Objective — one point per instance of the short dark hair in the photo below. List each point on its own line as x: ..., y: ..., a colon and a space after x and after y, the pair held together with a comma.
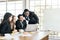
x: 26, y: 10
x: 20, y: 15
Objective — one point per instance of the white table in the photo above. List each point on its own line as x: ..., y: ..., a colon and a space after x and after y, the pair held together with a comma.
x: 34, y: 36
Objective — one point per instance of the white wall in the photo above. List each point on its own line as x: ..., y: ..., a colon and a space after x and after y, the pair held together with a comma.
x: 52, y: 19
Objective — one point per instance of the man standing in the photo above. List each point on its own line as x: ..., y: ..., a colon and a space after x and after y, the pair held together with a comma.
x: 30, y: 16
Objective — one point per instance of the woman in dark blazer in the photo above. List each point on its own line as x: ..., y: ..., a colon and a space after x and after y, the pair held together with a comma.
x: 31, y: 17
x: 21, y: 23
x: 5, y: 25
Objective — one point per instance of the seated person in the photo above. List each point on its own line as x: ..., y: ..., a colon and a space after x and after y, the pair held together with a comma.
x: 30, y: 16
x: 5, y: 26
x: 13, y: 24
x: 21, y: 23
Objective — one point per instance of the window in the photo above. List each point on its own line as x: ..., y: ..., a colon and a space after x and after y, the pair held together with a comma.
x: 38, y: 6
x: 2, y: 9
x: 15, y: 7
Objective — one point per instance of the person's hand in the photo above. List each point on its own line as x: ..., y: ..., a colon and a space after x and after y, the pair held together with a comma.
x: 15, y: 31
x: 24, y: 18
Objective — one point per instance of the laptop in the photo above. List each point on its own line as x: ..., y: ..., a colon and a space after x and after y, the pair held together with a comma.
x: 31, y: 27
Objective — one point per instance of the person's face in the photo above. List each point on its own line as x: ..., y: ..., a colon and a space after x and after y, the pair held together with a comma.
x: 27, y: 13
x: 21, y: 18
x: 10, y: 18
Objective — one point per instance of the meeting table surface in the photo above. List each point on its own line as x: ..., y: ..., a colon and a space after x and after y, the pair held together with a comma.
x: 26, y: 36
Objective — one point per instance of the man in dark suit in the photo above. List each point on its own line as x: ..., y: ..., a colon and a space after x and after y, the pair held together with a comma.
x: 30, y: 16
x: 21, y: 23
